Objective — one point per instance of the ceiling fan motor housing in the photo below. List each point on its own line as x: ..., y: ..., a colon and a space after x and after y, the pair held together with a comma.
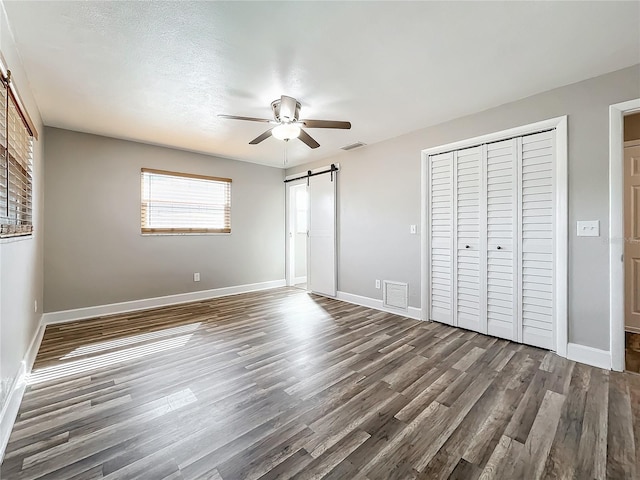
x: 286, y: 109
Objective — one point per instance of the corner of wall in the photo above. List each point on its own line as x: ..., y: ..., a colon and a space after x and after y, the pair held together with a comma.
x: 11, y: 406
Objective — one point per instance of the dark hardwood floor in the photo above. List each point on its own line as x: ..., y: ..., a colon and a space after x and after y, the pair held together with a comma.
x: 282, y: 384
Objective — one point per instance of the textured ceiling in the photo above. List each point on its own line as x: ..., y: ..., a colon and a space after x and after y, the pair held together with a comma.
x: 160, y: 72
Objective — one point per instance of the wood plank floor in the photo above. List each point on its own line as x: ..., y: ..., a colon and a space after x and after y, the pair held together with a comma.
x: 283, y: 384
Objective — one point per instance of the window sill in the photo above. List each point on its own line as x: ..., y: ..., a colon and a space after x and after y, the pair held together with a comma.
x: 16, y: 238
x: 184, y: 234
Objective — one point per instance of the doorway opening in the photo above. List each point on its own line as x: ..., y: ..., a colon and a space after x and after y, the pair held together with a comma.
x: 624, y: 235
x: 298, y: 234
x: 311, y: 230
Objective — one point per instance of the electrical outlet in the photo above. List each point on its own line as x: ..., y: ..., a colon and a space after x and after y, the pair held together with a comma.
x: 196, y: 277
x: 377, y: 283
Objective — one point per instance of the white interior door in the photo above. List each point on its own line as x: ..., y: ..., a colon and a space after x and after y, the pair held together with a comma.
x: 321, y: 267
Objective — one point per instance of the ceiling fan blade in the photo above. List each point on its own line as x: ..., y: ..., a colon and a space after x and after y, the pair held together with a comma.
x: 260, y: 138
x: 287, y: 109
x: 326, y: 124
x: 251, y: 119
x: 308, y: 139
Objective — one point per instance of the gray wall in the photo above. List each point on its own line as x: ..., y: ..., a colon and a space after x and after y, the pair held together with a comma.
x: 20, y: 258
x: 94, y: 253
x: 379, y: 196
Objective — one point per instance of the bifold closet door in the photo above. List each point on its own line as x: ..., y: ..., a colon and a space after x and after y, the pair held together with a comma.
x: 492, y: 238
x: 502, y: 245
x: 441, y: 237
x: 469, y: 230
x: 322, y: 270
x: 538, y: 239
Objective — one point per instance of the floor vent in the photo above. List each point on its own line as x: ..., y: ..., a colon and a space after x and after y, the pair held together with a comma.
x: 353, y: 145
x: 395, y: 295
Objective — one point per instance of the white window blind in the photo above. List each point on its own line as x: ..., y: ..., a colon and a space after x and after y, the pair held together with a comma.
x: 184, y: 203
x: 16, y: 165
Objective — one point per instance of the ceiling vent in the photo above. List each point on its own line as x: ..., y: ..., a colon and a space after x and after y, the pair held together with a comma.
x: 353, y: 146
x: 395, y: 295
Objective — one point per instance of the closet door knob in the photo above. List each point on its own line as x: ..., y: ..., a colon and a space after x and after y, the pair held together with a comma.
x: 467, y: 246
x: 499, y: 247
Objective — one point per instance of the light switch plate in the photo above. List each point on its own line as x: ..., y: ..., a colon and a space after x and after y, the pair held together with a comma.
x: 413, y: 229
x: 589, y: 228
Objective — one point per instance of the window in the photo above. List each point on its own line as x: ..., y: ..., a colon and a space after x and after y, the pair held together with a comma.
x: 16, y: 162
x: 184, y: 203
x: 301, y: 210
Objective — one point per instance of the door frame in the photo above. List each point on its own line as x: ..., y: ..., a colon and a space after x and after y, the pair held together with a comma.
x: 561, y: 220
x: 301, y: 178
x: 290, y: 277
x: 616, y: 229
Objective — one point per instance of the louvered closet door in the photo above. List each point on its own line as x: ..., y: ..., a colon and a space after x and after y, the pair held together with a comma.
x: 538, y: 187
x: 502, y: 218
x: 468, y: 291
x: 492, y: 221
x: 441, y: 237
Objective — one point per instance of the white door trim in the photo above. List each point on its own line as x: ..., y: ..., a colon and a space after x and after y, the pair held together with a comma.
x: 616, y: 229
x: 562, y: 217
x: 288, y: 265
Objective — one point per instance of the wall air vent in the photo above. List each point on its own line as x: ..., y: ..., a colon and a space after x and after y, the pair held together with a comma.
x: 395, y: 295
x: 353, y: 146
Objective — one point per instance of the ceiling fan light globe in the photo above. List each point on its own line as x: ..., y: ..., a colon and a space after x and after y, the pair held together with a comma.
x: 286, y: 131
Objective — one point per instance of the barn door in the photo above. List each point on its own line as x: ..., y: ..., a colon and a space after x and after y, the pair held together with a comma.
x: 321, y: 271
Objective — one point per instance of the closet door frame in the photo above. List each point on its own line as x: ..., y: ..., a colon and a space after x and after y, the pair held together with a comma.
x: 561, y: 217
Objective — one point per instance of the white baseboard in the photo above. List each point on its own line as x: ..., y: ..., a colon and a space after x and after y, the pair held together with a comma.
x: 143, y: 304
x: 411, y: 312
x: 589, y: 355
x: 298, y: 280
x: 12, y: 404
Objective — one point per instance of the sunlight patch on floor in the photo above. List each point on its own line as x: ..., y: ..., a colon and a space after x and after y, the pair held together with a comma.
x: 56, y: 372
x: 130, y: 340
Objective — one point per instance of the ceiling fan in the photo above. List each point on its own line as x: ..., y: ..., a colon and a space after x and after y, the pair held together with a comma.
x: 286, y: 114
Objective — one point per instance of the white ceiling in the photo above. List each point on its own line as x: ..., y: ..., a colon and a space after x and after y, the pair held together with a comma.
x: 160, y: 72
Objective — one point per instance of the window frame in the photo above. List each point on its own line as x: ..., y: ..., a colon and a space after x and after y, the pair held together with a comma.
x: 180, y: 230
x: 11, y: 227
